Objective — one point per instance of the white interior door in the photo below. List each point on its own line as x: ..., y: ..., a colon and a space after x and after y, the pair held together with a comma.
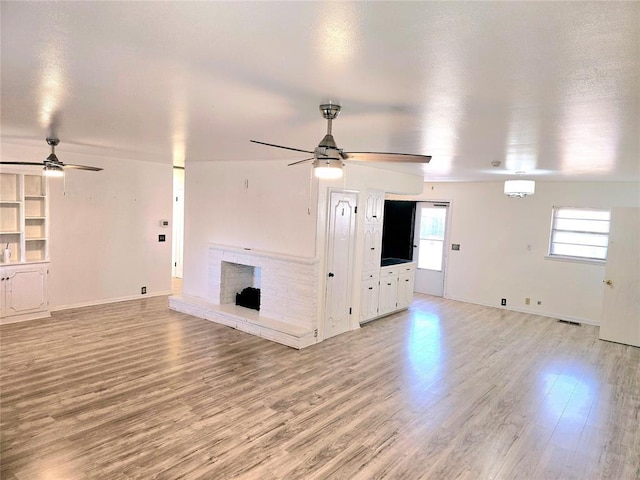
x: 430, y: 251
x: 620, y: 321
x: 340, y: 252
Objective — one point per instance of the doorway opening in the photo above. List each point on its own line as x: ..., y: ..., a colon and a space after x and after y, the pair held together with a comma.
x: 178, y: 230
x: 430, y: 252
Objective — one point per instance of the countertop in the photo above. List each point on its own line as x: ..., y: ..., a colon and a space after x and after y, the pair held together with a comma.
x: 385, y: 262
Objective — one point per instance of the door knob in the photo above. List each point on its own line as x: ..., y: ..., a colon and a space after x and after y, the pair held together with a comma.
x: 608, y: 282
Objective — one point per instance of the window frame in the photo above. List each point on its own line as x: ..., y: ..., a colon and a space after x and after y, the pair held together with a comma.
x: 576, y: 258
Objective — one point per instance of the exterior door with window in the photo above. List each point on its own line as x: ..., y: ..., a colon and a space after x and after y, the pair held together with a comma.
x: 429, y: 249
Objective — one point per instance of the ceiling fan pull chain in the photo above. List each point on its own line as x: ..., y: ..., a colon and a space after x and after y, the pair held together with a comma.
x: 310, y: 192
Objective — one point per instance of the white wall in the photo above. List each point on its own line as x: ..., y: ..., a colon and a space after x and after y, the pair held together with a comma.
x: 276, y: 213
x: 503, y: 243
x: 270, y: 215
x: 104, y: 232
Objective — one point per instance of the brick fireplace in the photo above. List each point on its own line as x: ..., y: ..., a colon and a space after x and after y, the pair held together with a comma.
x: 288, y: 294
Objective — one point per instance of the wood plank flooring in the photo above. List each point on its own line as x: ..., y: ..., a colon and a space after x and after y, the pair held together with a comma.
x: 445, y: 390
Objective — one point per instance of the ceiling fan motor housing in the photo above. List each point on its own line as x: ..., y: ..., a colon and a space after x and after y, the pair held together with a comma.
x: 330, y: 110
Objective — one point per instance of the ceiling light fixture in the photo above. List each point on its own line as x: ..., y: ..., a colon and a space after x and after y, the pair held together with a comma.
x: 53, y: 170
x: 519, y: 188
x: 327, y: 168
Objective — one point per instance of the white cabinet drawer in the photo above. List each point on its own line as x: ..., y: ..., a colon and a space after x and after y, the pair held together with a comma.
x: 370, y: 275
x: 388, y: 271
x: 407, y: 267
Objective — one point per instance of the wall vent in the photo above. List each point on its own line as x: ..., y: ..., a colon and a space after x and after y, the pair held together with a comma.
x: 569, y: 322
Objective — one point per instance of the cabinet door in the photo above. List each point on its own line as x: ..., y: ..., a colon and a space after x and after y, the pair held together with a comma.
x: 369, y: 299
x: 25, y: 290
x: 372, y: 247
x: 388, y: 295
x: 2, y: 293
x: 405, y: 289
x: 374, y: 207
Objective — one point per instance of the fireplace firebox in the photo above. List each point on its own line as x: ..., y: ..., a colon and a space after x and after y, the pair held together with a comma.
x: 240, y: 284
x: 249, y: 298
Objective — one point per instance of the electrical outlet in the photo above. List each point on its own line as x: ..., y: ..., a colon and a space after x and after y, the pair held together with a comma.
x: 527, y: 301
x: 503, y: 302
x: 143, y: 290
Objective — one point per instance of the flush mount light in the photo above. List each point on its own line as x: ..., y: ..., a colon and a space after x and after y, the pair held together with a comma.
x: 327, y: 168
x: 519, y: 188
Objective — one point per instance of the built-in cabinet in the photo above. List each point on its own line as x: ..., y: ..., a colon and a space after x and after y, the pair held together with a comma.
x: 23, y: 291
x: 24, y: 247
x: 406, y: 281
x: 384, y: 290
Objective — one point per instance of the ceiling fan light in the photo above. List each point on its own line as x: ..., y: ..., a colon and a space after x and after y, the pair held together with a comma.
x: 51, y: 170
x: 519, y: 188
x: 329, y: 168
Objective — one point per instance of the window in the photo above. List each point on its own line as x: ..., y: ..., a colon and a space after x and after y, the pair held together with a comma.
x: 581, y: 233
x: 432, y: 226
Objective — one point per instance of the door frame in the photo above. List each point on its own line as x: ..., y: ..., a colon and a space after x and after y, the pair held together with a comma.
x: 177, y: 223
x: 446, y: 240
x: 351, y: 263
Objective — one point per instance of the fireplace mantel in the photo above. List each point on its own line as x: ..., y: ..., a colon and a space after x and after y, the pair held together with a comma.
x: 230, y: 251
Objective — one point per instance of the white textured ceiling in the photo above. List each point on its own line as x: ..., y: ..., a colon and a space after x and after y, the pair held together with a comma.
x: 550, y: 88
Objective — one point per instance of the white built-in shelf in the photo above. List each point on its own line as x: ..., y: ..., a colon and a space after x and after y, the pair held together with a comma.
x: 24, y: 210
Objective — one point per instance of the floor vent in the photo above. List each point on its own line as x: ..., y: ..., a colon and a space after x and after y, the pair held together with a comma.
x: 569, y: 322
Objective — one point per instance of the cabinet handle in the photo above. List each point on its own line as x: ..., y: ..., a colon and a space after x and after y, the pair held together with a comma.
x: 373, y: 248
x: 388, y: 284
x: 331, y: 274
x: 374, y: 216
x: 370, y: 288
x: 406, y: 279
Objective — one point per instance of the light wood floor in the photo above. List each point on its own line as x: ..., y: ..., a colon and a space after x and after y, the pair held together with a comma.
x: 446, y: 390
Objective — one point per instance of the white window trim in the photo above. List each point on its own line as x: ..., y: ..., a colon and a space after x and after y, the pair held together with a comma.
x: 567, y: 258
x: 564, y: 258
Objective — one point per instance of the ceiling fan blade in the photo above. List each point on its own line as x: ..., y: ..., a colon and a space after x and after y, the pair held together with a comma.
x: 280, y: 146
x: 386, y: 157
x: 22, y: 163
x: 300, y: 161
x: 81, y: 167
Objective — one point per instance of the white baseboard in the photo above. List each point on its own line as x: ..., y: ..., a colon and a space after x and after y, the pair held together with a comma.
x: 24, y: 317
x: 558, y: 316
x: 105, y: 301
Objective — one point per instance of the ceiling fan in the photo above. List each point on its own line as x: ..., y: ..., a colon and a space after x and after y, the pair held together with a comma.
x: 328, y: 158
x: 52, y: 166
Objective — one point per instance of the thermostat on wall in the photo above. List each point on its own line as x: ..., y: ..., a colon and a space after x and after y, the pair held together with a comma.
x: 164, y: 223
